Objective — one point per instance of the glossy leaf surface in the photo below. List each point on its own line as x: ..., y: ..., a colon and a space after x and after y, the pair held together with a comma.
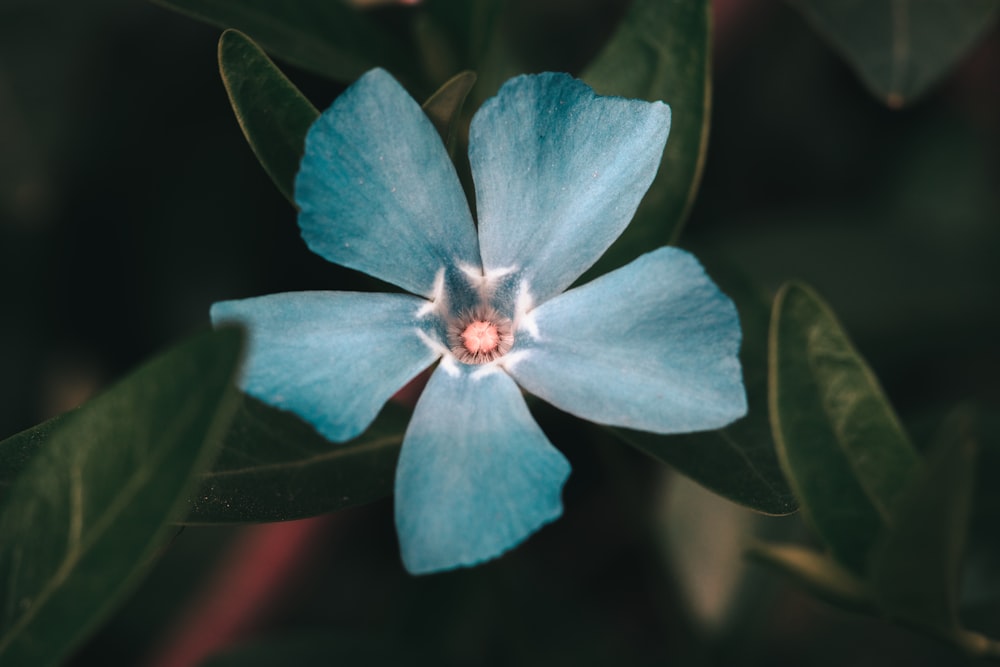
x: 272, y: 113
x: 900, y: 48
x: 83, y: 519
x: 275, y: 467
x: 839, y: 441
x: 661, y: 51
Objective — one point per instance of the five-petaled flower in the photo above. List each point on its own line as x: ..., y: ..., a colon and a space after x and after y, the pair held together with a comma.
x: 558, y: 173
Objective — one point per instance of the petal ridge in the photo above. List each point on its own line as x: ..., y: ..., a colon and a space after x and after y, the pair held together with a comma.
x: 659, y: 354
x: 559, y: 172
x: 377, y: 191
x: 476, y: 475
x: 312, y: 353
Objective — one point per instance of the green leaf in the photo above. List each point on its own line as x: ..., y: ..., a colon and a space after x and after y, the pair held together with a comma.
x: 275, y: 467
x: 817, y: 573
x: 328, y: 38
x: 840, y: 444
x: 272, y: 113
x: 738, y: 462
x: 444, y: 107
x: 915, y: 570
x: 661, y: 51
x: 19, y: 449
x: 900, y: 48
x: 84, y: 518
x: 272, y: 466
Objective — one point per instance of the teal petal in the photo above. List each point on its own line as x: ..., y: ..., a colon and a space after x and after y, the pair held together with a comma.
x: 332, y: 358
x: 377, y: 191
x: 476, y: 475
x: 559, y: 172
x: 652, y: 346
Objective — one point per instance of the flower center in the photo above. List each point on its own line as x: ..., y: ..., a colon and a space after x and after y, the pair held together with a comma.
x: 480, y: 336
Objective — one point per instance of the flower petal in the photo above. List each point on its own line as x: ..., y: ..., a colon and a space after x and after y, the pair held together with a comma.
x: 559, y: 172
x: 332, y: 358
x: 377, y: 191
x: 476, y: 475
x: 652, y: 346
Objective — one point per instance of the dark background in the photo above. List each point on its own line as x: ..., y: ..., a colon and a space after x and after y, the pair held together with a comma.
x: 129, y: 202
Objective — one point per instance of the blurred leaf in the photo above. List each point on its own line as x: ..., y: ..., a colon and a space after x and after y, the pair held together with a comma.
x: 900, y: 48
x: 275, y: 467
x: 704, y: 537
x: 738, y: 462
x: 915, y: 570
x: 444, y: 107
x: 470, y: 26
x: 458, y: 34
x: 328, y: 38
x: 19, y: 449
x: 86, y: 515
x: 839, y: 441
x: 661, y: 51
x: 816, y: 572
x: 272, y: 113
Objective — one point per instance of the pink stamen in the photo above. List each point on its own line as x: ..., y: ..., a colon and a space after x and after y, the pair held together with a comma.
x: 480, y: 337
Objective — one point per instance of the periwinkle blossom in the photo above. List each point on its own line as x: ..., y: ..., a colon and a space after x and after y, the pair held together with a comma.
x: 558, y: 173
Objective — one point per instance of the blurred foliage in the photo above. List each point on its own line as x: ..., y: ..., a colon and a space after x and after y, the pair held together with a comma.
x: 83, y: 519
x: 894, y: 526
x: 901, y: 47
x: 129, y: 202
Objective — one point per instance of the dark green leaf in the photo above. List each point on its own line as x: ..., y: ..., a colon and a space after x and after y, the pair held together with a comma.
x: 915, y: 570
x: 840, y: 443
x: 444, y: 107
x: 272, y: 113
x: 900, y: 48
x: 468, y: 29
x: 739, y: 461
x: 275, y: 467
x: 816, y: 572
x: 18, y: 450
x: 272, y: 467
x: 84, y: 518
x: 661, y: 51
x: 329, y: 38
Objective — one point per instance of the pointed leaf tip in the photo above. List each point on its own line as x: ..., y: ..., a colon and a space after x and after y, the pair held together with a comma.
x: 272, y: 113
x: 444, y: 107
x: 839, y: 441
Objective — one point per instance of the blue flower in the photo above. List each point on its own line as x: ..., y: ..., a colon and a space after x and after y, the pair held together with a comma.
x: 559, y: 172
